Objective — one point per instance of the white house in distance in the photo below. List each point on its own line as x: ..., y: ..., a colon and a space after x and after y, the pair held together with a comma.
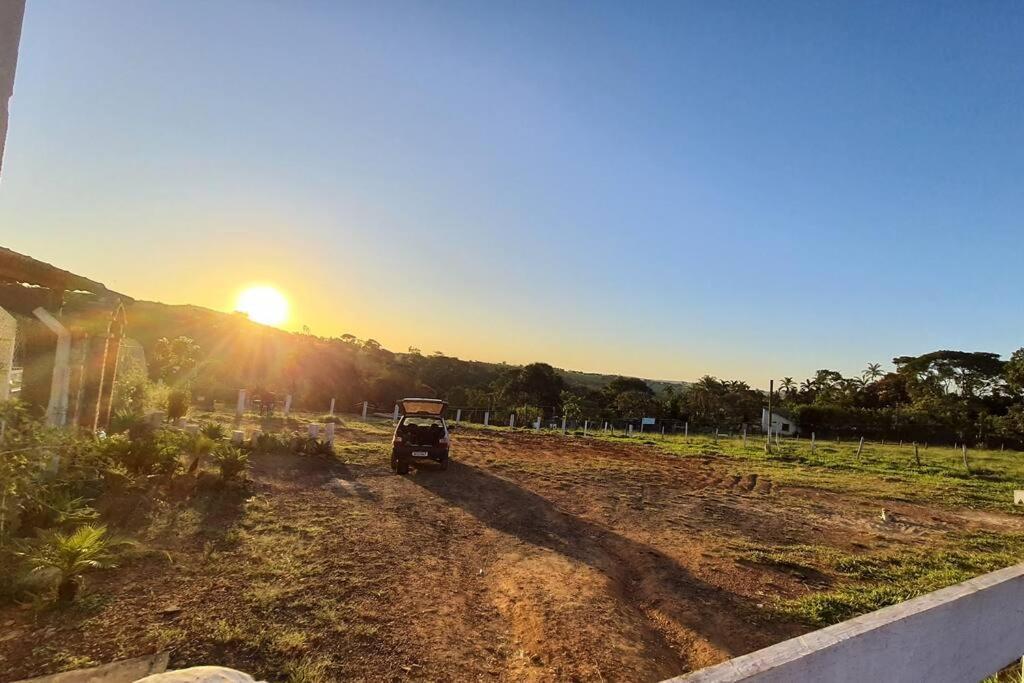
x: 781, y: 424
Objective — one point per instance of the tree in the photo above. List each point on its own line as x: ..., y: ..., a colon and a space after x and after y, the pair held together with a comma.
x: 175, y: 360
x: 787, y: 386
x: 633, y: 404
x: 1013, y: 371
x: 872, y: 372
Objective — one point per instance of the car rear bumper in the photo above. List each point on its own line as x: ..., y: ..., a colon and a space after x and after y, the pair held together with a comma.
x: 418, y: 453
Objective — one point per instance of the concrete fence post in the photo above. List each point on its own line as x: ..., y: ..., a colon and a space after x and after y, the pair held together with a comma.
x: 458, y: 415
x: 394, y: 416
x: 365, y: 405
x: 630, y: 429
x: 812, y: 443
x: 686, y: 430
x: 60, y: 385
x: 287, y: 405
x: 586, y: 423
x: 744, y: 434
x: 487, y: 418
x: 314, y: 430
x: 237, y: 436
x: 536, y: 424
x: 512, y: 421
x: 563, y: 424
x: 331, y: 411
x: 240, y: 405
x: 329, y: 433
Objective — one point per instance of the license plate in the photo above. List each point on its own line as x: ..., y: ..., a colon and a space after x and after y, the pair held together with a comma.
x: 420, y: 454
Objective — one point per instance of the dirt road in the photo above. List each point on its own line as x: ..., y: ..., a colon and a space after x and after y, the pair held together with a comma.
x: 531, y: 558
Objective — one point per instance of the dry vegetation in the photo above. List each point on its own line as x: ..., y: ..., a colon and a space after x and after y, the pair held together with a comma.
x: 535, y: 557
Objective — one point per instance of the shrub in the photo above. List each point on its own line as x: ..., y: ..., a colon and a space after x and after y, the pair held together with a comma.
x: 232, y: 461
x: 73, y: 554
x: 178, y: 401
x: 213, y: 430
x: 269, y: 443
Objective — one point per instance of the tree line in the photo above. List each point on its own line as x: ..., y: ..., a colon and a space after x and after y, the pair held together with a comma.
x: 973, y: 397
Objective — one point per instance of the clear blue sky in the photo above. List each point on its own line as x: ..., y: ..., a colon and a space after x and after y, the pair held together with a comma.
x: 745, y: 189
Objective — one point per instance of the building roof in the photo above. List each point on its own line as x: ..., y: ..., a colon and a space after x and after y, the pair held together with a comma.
x: 19, y: 268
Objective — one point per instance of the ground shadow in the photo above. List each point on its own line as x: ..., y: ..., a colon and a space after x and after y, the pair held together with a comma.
x: 721, y: 617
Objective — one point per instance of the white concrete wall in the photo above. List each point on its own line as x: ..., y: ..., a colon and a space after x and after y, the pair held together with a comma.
x: 961, y: 633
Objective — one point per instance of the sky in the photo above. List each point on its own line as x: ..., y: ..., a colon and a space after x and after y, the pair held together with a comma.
x: 749, y: 190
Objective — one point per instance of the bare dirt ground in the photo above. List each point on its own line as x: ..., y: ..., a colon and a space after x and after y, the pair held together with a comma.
x: 531, y: 558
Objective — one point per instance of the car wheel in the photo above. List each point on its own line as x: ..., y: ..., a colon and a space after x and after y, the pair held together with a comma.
x: 444, y: 462
x: 402, y: 467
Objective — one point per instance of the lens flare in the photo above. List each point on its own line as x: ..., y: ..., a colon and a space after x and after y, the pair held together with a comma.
x: 263, y: 304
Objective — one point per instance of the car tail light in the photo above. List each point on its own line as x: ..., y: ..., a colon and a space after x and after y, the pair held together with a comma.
x: 443, y: 441
x: 397, y: 439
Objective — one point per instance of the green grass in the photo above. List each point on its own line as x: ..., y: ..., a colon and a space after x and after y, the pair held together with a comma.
x: 882, y: 472
x: 864, y: 583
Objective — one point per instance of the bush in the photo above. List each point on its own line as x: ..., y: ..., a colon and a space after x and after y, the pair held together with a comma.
x: 232, y: 461
x: 178, y: 401
x: 154, y: 453
x: 269, y: 443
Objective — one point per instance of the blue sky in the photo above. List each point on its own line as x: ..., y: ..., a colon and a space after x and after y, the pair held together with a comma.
x: 750, y: 190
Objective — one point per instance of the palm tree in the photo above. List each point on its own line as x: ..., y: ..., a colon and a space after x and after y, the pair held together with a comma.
x: 71, y: 555
x: 873, y: 371
x: 787, y: 385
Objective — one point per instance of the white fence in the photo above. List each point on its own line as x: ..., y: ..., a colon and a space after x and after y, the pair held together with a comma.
x: 958, y: 634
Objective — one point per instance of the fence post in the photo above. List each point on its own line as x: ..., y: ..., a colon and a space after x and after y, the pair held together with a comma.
x: 630, y: 429
x: 394, y: 417
x: 314, y: 430
x: 686, y: 430
x: 716, y: 434
x: 563, y: 424
x: 586, y: 423
x: 536, y: 424
x: 287, y: 405
x: 860, y: 447
x: 240, y: 406
x: 917, y: 455
x: 966, y: 466
x: 487, y: 418
x: 744, y: 434
x: 329, y: 433
x: 331, y: 412
x: 365, y: 403
x: 512, y: 420
x: 458, y: 415
x: 812, y: 443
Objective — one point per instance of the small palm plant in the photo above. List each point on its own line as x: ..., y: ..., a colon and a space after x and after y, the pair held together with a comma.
x: 213, y: 430
x: 70, y: 555
x: 232, y: 461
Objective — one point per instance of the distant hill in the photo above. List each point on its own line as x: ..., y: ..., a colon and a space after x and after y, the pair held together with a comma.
x: 237, y: 352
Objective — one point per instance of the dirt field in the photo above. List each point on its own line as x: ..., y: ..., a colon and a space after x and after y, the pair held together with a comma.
x: 532, y: 558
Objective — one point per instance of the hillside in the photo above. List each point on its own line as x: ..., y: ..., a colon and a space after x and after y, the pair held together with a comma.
x: 236, y: 352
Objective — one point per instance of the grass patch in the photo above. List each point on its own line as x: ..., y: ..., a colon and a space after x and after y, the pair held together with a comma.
x: 865, y: 583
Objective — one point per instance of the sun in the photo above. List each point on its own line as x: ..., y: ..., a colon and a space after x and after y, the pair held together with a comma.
x: 263, y: 304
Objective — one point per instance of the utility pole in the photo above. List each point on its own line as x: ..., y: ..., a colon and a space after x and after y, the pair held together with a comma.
x: 768, y: 434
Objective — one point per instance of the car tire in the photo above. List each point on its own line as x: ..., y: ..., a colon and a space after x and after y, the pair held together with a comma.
x: 402, y: 467
x: 443, y: 462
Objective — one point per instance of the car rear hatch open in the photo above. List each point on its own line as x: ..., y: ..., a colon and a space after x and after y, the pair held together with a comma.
x: 427, y: 407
